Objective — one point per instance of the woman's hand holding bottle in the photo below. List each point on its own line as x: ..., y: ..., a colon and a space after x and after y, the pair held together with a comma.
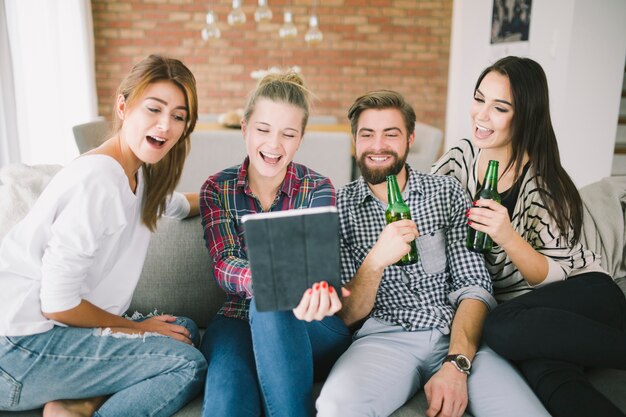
x: 492, y: 218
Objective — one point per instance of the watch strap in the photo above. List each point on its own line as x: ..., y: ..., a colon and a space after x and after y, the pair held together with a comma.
x: 455, y: 361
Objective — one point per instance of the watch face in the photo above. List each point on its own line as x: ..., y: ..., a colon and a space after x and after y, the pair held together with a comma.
x: 463, y: 363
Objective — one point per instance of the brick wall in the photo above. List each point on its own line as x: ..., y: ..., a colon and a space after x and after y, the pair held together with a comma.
x: 368, y: 44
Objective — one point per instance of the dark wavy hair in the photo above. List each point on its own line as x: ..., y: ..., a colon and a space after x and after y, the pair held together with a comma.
x: 161, y: 178
x: 532, y: 133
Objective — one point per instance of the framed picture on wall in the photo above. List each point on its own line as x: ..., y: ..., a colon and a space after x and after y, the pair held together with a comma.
x: 510, y: 21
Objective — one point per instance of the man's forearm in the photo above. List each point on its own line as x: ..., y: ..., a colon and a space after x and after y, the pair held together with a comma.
x: 467, y: 327
x: 363, y: 288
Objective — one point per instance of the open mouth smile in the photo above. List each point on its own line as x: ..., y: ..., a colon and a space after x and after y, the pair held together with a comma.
x: 156, y: 141
x: 379, y: 159
x: 270, y: 158
x: 482, y: 132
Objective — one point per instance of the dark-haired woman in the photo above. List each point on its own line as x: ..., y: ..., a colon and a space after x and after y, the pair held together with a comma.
x: 578, y: 321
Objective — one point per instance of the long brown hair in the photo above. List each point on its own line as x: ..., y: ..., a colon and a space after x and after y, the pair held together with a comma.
x: 532, y: 133
x: 161, y: 178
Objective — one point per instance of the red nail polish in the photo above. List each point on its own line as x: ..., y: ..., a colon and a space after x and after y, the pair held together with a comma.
x: 324, y: 284
x: 469, y: 222
x: 317, y: 287
x: 331, y: 290
x: 475, y: 203
x: 309, y: 291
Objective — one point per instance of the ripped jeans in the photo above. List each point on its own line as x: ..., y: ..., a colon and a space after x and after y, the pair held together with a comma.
x: 144, y: 376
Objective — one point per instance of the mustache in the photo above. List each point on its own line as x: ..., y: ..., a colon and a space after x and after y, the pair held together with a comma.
x: 386, y: 153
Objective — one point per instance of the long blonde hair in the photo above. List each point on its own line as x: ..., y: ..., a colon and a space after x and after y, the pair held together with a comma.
x: 161, y: 178
x: 286, y: 88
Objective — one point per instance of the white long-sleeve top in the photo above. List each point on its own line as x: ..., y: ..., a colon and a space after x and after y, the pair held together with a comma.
x: 82, y: 240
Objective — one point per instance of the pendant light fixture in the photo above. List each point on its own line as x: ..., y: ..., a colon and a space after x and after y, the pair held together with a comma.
x: 263, y: 12
x: 314, y: 34
x: 210, y: 30
x: 288, y: 30
x: 236, y: 15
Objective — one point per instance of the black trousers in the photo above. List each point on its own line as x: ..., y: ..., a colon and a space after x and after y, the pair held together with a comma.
x: 555, y: 332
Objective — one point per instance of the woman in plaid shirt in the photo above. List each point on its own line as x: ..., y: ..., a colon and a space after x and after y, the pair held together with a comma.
x: 265, y: 362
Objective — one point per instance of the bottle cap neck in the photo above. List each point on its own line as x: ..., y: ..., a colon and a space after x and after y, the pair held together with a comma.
x: 393, y: 190
x: 491, y: 176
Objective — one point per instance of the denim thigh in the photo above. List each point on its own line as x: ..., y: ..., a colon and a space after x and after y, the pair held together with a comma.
x: 232, y: 388
x: 71, y: 363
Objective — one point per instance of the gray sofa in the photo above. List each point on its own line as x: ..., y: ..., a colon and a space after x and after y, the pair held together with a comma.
x: 177, y: 279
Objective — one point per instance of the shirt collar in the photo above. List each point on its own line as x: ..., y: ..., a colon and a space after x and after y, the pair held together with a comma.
x: 290, y: 185
x: 414, y: 185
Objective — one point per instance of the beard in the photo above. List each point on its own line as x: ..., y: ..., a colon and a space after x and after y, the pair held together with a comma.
x: 379, y: 175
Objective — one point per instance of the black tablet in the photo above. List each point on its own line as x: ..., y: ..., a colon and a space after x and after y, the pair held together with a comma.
x: 289, y: 251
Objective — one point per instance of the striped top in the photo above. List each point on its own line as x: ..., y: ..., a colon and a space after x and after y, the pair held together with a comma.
x: 530, y: 219
x: 224, y: 199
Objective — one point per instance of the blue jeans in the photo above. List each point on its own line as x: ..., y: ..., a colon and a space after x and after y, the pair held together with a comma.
x: 269, y: 364
x: 144, y: 376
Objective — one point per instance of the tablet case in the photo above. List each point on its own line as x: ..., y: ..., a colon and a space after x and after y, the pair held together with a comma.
x: 289, y: 251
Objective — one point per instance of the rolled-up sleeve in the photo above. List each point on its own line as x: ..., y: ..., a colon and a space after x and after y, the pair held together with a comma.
x: 177, y: 206
x: 470, y: 277
x: 475, y: 293
x: 231, y: 267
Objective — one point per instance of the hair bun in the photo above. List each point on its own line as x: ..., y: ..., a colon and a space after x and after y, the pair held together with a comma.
x: 289, y: 76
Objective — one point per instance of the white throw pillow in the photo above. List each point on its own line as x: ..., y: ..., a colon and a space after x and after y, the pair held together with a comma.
x: 20, y: 186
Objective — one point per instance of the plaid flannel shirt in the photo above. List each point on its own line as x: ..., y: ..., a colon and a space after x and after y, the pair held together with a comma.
x: 224, y: 199
x: 423, y: 295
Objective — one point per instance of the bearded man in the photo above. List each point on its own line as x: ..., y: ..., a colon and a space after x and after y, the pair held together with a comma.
x: 417, y: 326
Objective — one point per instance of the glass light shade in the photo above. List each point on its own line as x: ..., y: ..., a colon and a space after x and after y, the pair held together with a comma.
x: 263, y: 13
x: 314, y: 34
x: 236, y: 15
x: 211, y: 31
x: 288, y: 29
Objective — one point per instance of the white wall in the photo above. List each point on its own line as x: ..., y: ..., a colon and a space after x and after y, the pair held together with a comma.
x: 581, y: 45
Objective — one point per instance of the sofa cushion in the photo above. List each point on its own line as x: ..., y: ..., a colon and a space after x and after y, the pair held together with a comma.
x: 20, y: 186
x: 177, y: 276
x: 604, y: 222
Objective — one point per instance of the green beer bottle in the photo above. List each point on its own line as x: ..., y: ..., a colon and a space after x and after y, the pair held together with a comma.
x: 480, y: 241
x: 398, y: 210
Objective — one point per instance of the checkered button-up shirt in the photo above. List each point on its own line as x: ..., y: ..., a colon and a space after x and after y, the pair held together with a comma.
x: 423, y: 295
x: 224, y: 199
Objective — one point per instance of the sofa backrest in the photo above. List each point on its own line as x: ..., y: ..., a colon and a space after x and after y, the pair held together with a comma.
x: 211, y: 152
x: 91, y: 134
x: 604, y: 222
x: 177, y: 276
x: 425, y: 149
x: 328, y: 153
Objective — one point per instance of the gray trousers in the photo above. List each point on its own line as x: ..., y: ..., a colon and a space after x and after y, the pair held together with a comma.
x: 386, y: 365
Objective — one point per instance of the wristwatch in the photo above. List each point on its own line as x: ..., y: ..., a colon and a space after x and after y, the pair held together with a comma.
x: 462, y: 362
